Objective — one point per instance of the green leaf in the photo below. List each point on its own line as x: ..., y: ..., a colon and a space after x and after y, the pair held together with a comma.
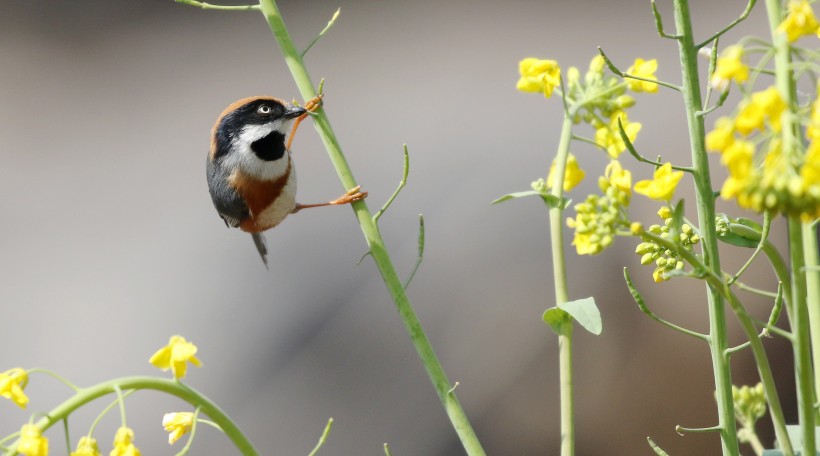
x: 738, y: 240
x: 550, y: 200
x: 658, y: 450
x: 586, y: 313
x: 557, y: 319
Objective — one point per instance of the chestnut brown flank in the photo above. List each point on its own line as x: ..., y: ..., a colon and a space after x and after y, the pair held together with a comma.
x: 257, y: 194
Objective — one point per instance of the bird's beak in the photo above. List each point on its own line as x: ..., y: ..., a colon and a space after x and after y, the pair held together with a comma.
x: 294, y: 112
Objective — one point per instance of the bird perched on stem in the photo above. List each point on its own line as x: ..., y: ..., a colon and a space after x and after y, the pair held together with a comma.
x: 251, y: 176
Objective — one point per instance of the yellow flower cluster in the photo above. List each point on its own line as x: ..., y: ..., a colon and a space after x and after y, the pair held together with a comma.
x: 730, y: 67
x: 762, y: 176
x: 599, y: 217
x: 799, y: 21
x: 573, y: 174
x: 539, y: 76
x: 12, y: 383
x: 175, y: 356
x: 124, y: 443
x: 666, y: 260
x: 32, y: 442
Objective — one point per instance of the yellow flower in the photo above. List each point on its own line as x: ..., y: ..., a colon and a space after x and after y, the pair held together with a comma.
x: 662, y: 186
x: 539, y: 76
x: 730, y: 67
x: 799, y: 21
x: 664, y: 212
x: 620, y: 178
x: 738, y: 159
x: 813, y: 128
x: 644, y: 69
x: 175, y: 356
x: 32, y: 442
x: 178, y: 424
x: 124, y: 443
x: 573, y: 174
x: 12, y: 383
x: 763, y: 105
x: 87, y: 446
x: 722, y: 136
x: 609, y: 137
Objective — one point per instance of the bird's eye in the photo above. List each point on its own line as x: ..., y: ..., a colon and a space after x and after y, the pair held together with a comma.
x: 264, y: 110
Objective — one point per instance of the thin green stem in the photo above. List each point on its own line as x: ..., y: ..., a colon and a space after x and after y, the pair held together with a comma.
x: 323, y: 437
x: 706, y: 221
x: 811, y: 258
x: 792, y: 146
x: 210, y: 6
x: 172, y: 387
x: 53, y: 375
x: 559, y: 271
x: 370, y: 229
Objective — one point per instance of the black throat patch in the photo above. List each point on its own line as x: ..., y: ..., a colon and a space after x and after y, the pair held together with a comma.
x: 271, y: 147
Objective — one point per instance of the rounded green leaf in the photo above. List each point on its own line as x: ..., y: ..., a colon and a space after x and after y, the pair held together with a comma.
x: 586, y: 313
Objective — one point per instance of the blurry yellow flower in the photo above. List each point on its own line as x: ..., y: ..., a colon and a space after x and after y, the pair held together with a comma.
x: 620, y: 178
x: 722, y: 136
x: 763, y: 105
x: 124, y: 443
x: 738, y: 159
x: 609, y: 137
x: 87, y: 446
x: 12, y: 383
x: 813, y: 128
x: 799, y: 21
x: 573, y: 174
x: 32, y: 442
x: 730, y: 67
x: 178, y: 424
x: 662, y: 186
x: 539, y: 76
x: 175, y: 356
x: 644, y: 69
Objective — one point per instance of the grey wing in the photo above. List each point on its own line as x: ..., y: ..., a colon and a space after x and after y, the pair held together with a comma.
x: 230, y: 206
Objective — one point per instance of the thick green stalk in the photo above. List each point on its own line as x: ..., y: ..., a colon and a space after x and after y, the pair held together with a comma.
x: 812, y: 261
x: 378, y: 251
x: 172, y: 387
x: 559, y: 271
x: 804, y: 375
x: 706, y: 219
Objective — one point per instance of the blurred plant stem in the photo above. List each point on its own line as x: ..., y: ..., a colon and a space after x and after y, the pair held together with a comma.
x: 378, y: 251
x: 559, y: 271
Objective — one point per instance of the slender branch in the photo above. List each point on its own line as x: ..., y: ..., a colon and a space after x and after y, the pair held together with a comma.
x: 210, y: 6
x: 764, y: 236
x: 659, y: 26
x: 55, y: 376
x: 402, y: 183
x: 681, y: 430
x: 323, y: 438
x: 378, y: 250
x: 731, y: 25
x: 754, y: 290
x: 636, y: 295
x: 421, y: 253
x: 620, y: 73
x: 322, y: 33
x: 641, y: 158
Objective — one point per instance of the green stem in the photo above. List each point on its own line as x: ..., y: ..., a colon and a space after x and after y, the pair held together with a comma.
x: 378, y: 251
x: 706, y: 220
x: 792, y: 145
x: 172, y: 387
x: 812, y: 260
x: 559, y: 271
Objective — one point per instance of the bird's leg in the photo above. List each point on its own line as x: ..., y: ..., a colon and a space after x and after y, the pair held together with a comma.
x: 311, y: 106
x: 352, y: 195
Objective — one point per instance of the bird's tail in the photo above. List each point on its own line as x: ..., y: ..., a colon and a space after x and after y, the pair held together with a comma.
x: 261, y: 246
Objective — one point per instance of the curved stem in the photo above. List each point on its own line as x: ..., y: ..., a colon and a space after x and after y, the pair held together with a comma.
x: 172, y: 387
x: 378, y: 250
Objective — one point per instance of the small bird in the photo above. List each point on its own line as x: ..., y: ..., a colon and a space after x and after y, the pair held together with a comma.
x: 251, y: 176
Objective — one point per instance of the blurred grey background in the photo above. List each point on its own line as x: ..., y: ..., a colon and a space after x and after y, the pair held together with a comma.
x: 110, y: 243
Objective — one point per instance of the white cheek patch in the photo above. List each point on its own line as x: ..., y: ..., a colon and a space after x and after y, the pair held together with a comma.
x: 245, y: 159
